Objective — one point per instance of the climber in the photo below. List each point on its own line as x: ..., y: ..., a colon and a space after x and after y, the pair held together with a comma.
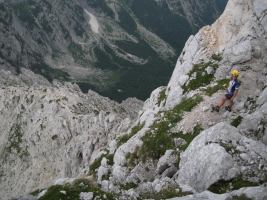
x: 231, y: 92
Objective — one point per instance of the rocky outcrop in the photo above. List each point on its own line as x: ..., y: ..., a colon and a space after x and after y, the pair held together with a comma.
x: 228, y: 153
x: 50, y: 132
x: 238, y: 36
x: 221, y: 153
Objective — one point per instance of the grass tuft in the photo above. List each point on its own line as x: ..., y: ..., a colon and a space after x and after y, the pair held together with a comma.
x: 162, y: 97
x: 241, y: 197
x: 220, y: 85
x: 123, y: 139
x: 188, y: 137
x: 237, y: 121
x: 129, y: 186
x: 97, y: 163
x: 202, y: 77
x: 73, y: 191
x: 223, y: 186
x: 217, y: 57
x: 165, y: 194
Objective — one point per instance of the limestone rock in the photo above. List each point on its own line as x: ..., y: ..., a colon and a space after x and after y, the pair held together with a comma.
x: 210, y: 70
x: 167, y: 160
x: 208, y: 165
x: 263, y: 97
x: 257, y: 193
x: 170, y: 172
x: 179, y: 141
x: 211, y: 157
x: 86, y: 195
x: 52, y: 132
x: 251, y: 125
x: 103, y: 170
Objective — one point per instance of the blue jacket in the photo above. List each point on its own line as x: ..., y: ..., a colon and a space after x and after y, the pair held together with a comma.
x: 233, y: 86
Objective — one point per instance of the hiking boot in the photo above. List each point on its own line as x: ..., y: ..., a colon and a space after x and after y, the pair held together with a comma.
x: 228, y: 108
x: 215, y: 108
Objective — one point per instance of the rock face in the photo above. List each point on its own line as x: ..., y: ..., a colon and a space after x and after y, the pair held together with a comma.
x: 173, y: 146
x: 48, y: 132
x: 257, y: 193
x: 231, y: 36
x: 213, y: 155
x: 218, y: 156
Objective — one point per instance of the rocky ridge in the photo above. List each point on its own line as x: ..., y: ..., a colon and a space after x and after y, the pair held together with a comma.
x: 54, y: 131
x: 176, y: 147
x: 238, y: 37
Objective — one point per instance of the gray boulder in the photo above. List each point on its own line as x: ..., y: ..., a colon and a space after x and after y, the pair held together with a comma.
x: 215, y: 154
x: 251, y: 125
x: 167, y: 160
x: 86, y: 195
x: 210, y: 70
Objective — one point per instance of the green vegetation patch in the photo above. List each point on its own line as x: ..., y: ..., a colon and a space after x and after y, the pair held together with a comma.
x: 241, y: 197
x: 156, y: 143
x: 165, y: 194
x: 15, y: 140
x: 97, y: 163
x: 217, y: 57
x: 123, y: 139
x: 159, y: 139
x: 129, y: 186
x: 162, y: 97
x: 202, y: 78
x: 237, y: 121
x: 220, y: 85
x: 223, y: 186
x: 175, y: 115
x: 188, y: 137
x: 72, y: 191
x: 230, y: 148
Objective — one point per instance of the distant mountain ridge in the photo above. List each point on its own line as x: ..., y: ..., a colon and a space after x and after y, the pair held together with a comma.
x: 114, y: 47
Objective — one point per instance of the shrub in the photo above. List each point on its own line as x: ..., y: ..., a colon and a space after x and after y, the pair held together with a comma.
x: 237, y: 121
x: 220, y: 85
x: 72, y: 191
x: 223, y: 186
x: 202, y: 77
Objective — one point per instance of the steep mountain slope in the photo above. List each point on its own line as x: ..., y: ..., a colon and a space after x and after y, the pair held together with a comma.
x: 171, y: 152
x: 114, y: 47
x: 174, y: 147
x: 53, y: 131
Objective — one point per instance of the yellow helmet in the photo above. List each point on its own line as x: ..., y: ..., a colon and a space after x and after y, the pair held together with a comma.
x: 235, y: 72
